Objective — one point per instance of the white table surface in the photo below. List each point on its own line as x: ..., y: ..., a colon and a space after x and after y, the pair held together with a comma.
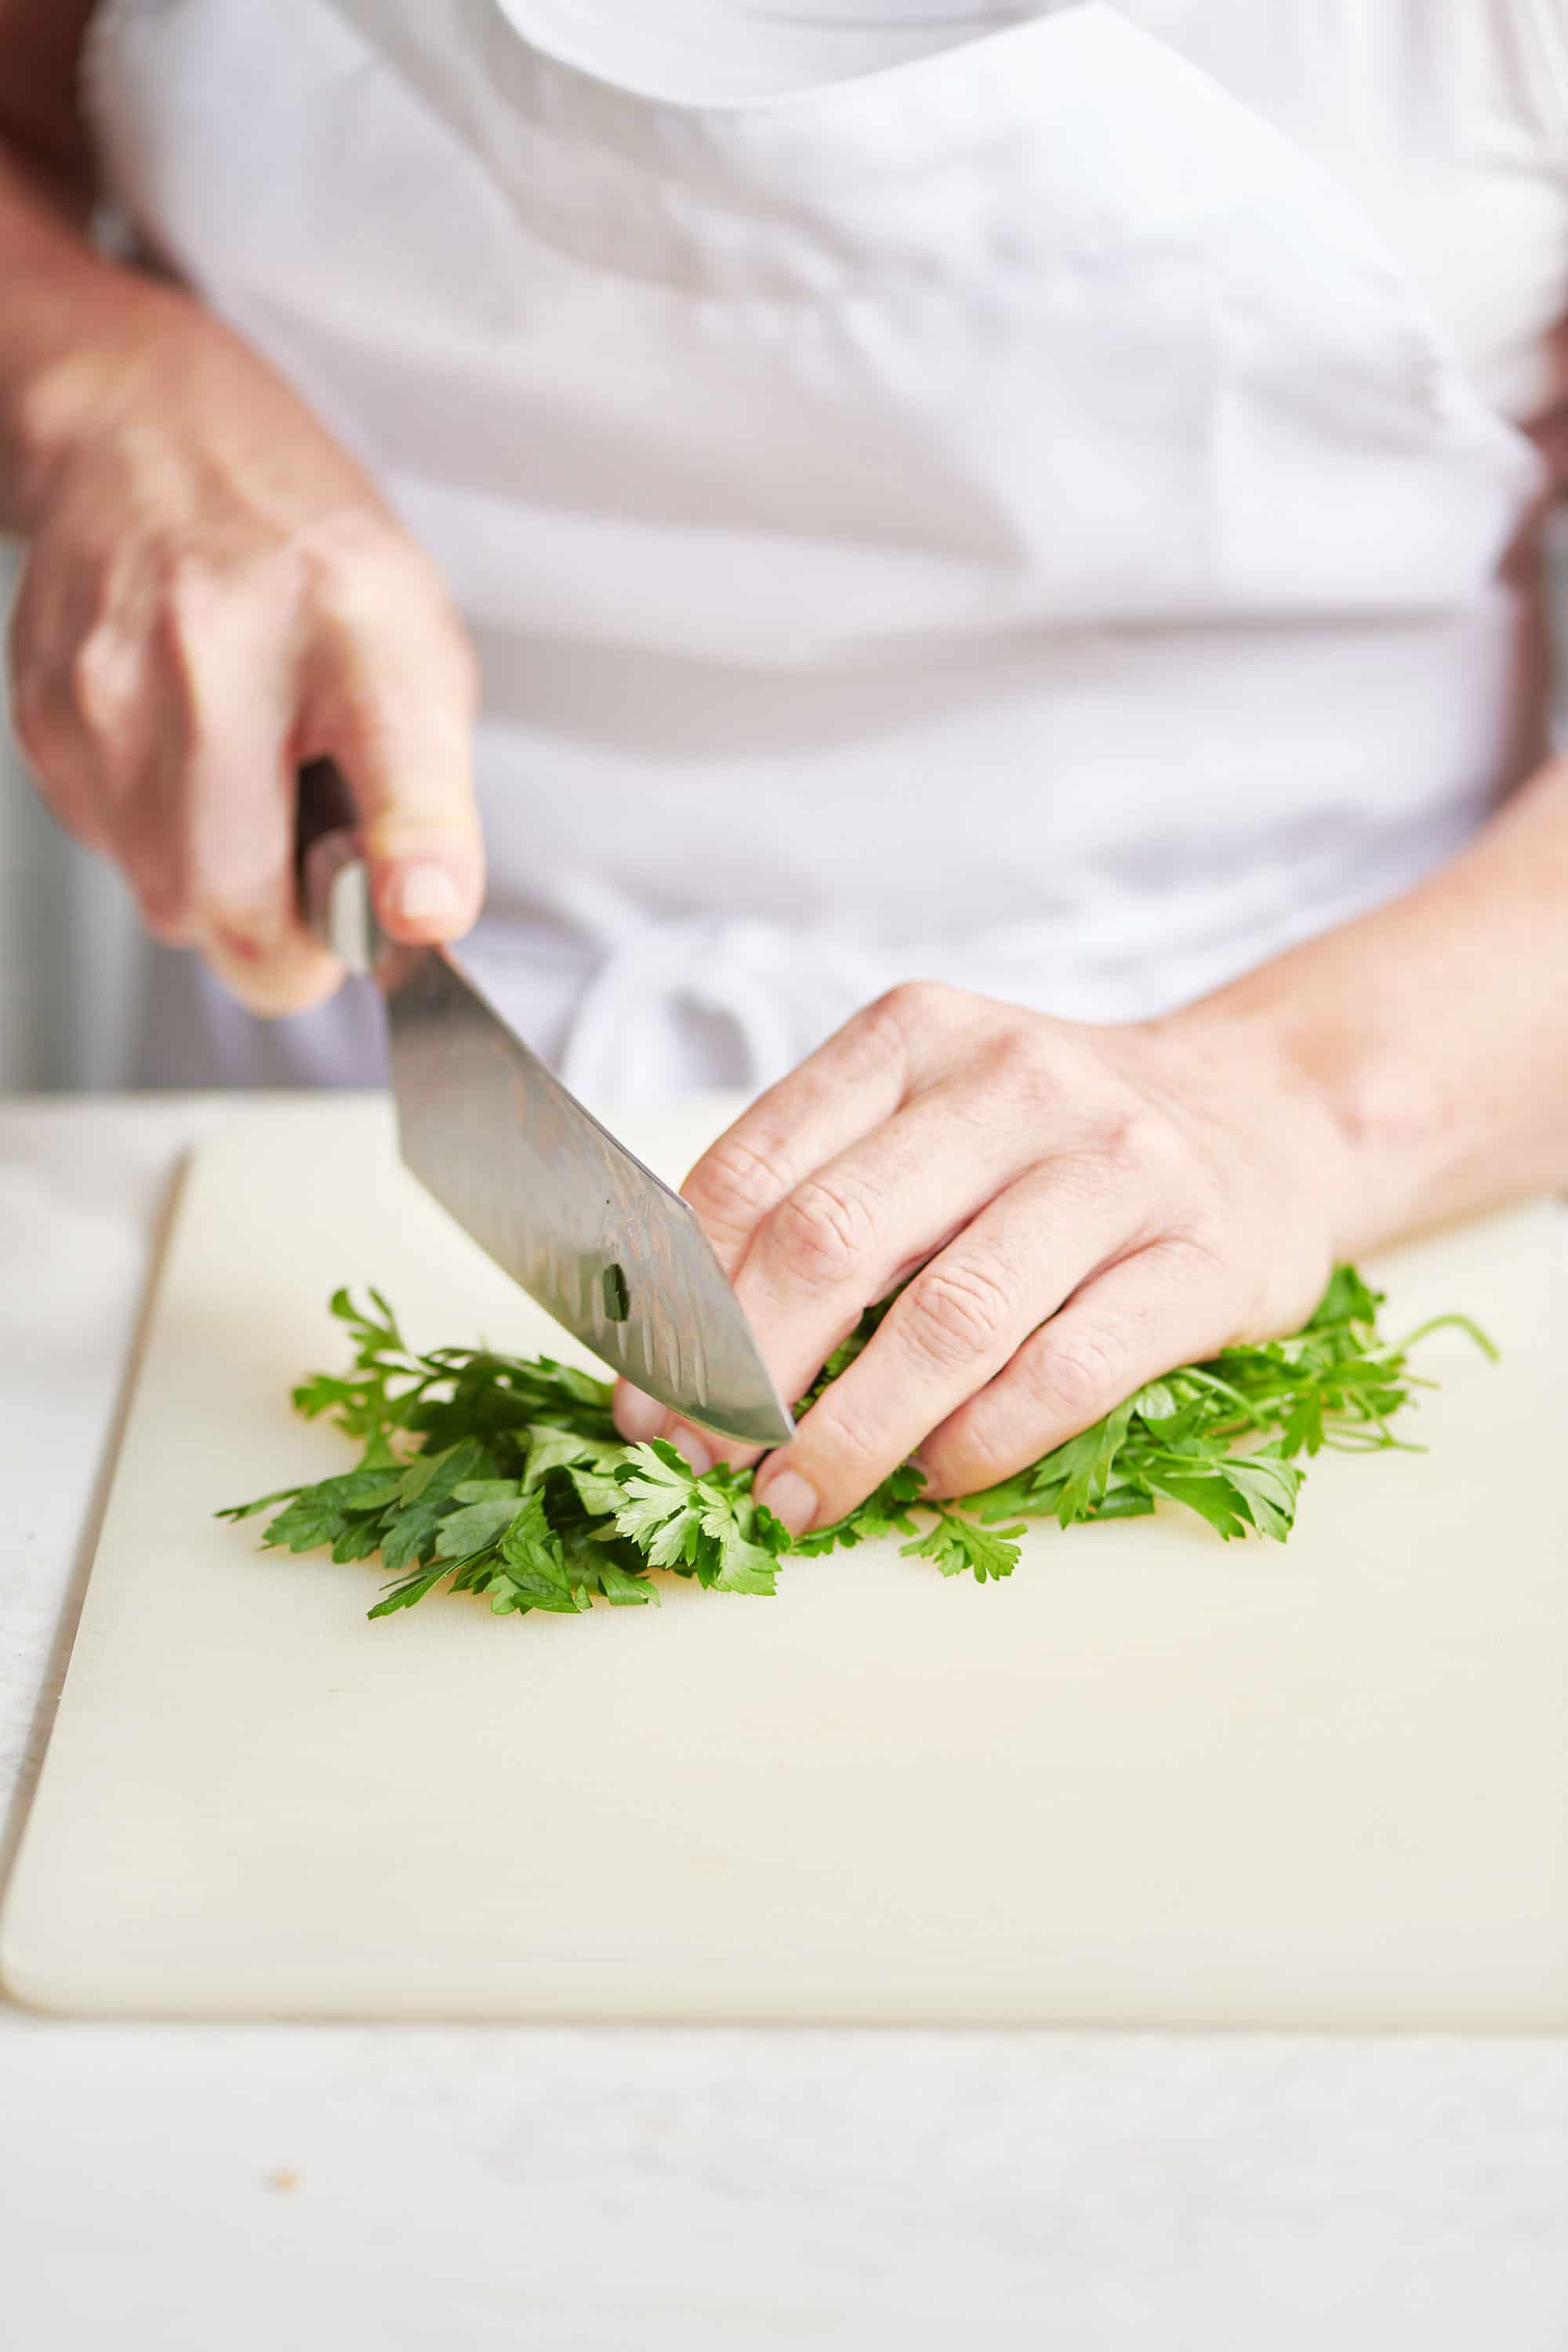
x: 192, y: 2187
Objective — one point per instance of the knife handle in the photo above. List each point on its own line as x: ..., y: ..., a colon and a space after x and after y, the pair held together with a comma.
x: 329, y: 872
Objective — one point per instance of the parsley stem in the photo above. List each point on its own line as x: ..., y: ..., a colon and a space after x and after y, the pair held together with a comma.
x: 1224, y: 1388
x: 1488, y: 1347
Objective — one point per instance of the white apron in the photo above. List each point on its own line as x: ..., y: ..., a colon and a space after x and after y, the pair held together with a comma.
x: 1008, y: 518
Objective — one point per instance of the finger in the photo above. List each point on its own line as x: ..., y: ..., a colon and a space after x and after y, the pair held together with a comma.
x: 90, y: 784
x: 960, y: 1319
x: 1157, y: 1307
x: 846, y: 1235
x: 838, y: 1094
x: 246, y: 920
x: 843, y: 1091
x: 388, y: 692
x: 291, y: 974
x: 905, y: 1042
x: 218, y: 804
x: 61, y: 754
x: 156, y: 875
x: 850, y: 1232
x: 63, y: 764
x: 149, y: 720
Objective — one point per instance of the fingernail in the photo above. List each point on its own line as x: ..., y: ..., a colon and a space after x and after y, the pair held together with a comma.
x: 790, y: 1498
x: 638, y: 1417
x: 427, y: 895
x: 696, y: 1453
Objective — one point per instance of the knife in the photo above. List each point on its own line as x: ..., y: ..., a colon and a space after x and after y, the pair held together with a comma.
x: 571, y: 1214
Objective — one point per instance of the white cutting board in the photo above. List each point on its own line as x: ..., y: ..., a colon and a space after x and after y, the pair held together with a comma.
x: 1150, y: 1780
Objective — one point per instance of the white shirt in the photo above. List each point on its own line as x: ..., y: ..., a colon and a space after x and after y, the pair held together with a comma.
x: 1449, y: 117
x: 726, y: 50
x: 957, y: 496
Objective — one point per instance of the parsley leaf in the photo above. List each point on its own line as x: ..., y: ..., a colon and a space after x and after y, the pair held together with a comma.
x: 504, y: 1476
x: 958, y: 1544
x: 706, y: 1525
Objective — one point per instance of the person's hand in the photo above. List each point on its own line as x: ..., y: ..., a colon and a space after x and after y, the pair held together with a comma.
x: 213, y: 594
x: 1087, y: 1208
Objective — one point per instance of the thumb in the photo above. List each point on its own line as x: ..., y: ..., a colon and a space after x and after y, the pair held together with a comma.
x: 396, y: 712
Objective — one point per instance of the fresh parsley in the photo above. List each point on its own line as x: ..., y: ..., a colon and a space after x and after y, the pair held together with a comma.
x: 505, y: 1475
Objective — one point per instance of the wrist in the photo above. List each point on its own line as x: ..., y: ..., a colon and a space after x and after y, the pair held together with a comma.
x: 1354, y: 1110
x: 85, y: 362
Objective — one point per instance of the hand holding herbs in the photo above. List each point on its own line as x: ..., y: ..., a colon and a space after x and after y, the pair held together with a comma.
x: 505, y: 1475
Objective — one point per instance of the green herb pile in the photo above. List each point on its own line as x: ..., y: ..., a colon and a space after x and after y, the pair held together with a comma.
x: 504, y: 1475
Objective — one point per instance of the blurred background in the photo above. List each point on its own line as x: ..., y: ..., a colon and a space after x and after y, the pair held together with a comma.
x: 75, y: 971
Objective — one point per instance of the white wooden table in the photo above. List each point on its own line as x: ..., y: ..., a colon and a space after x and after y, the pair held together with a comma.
x: 183, y: 2187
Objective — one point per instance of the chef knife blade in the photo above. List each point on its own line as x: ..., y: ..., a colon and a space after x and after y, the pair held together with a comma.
x: 572, y: 1215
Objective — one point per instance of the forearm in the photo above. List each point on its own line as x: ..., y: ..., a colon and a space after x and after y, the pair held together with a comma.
x: 1435, y: 1029
x: 215, y: 591
x: 76, y: 331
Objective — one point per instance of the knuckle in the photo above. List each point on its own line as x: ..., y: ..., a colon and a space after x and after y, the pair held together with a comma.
x: 1234, y: 1289
x: 957, y: 1311
x: 342, y: 540
x: 362, y: 571
x: 848, y: 1444
x: 1020, y: 1066
x: 212, y: 597
x: 193, y: 618
x: 894, y: 1026
x: 822, y: 1231
x: 914, y: 1006
x: 1199, y: 1252
x: 1141, y: 1142
x: 1080, y: 1373
x: 385, y: 666
x: 736, y: 1183
x: 972, y: 1457
x: 190, y: 597
x: 351, y: 588
x: 101, y: 677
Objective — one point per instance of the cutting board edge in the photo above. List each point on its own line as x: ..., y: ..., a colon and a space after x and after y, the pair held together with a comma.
x: 39, y: 1993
